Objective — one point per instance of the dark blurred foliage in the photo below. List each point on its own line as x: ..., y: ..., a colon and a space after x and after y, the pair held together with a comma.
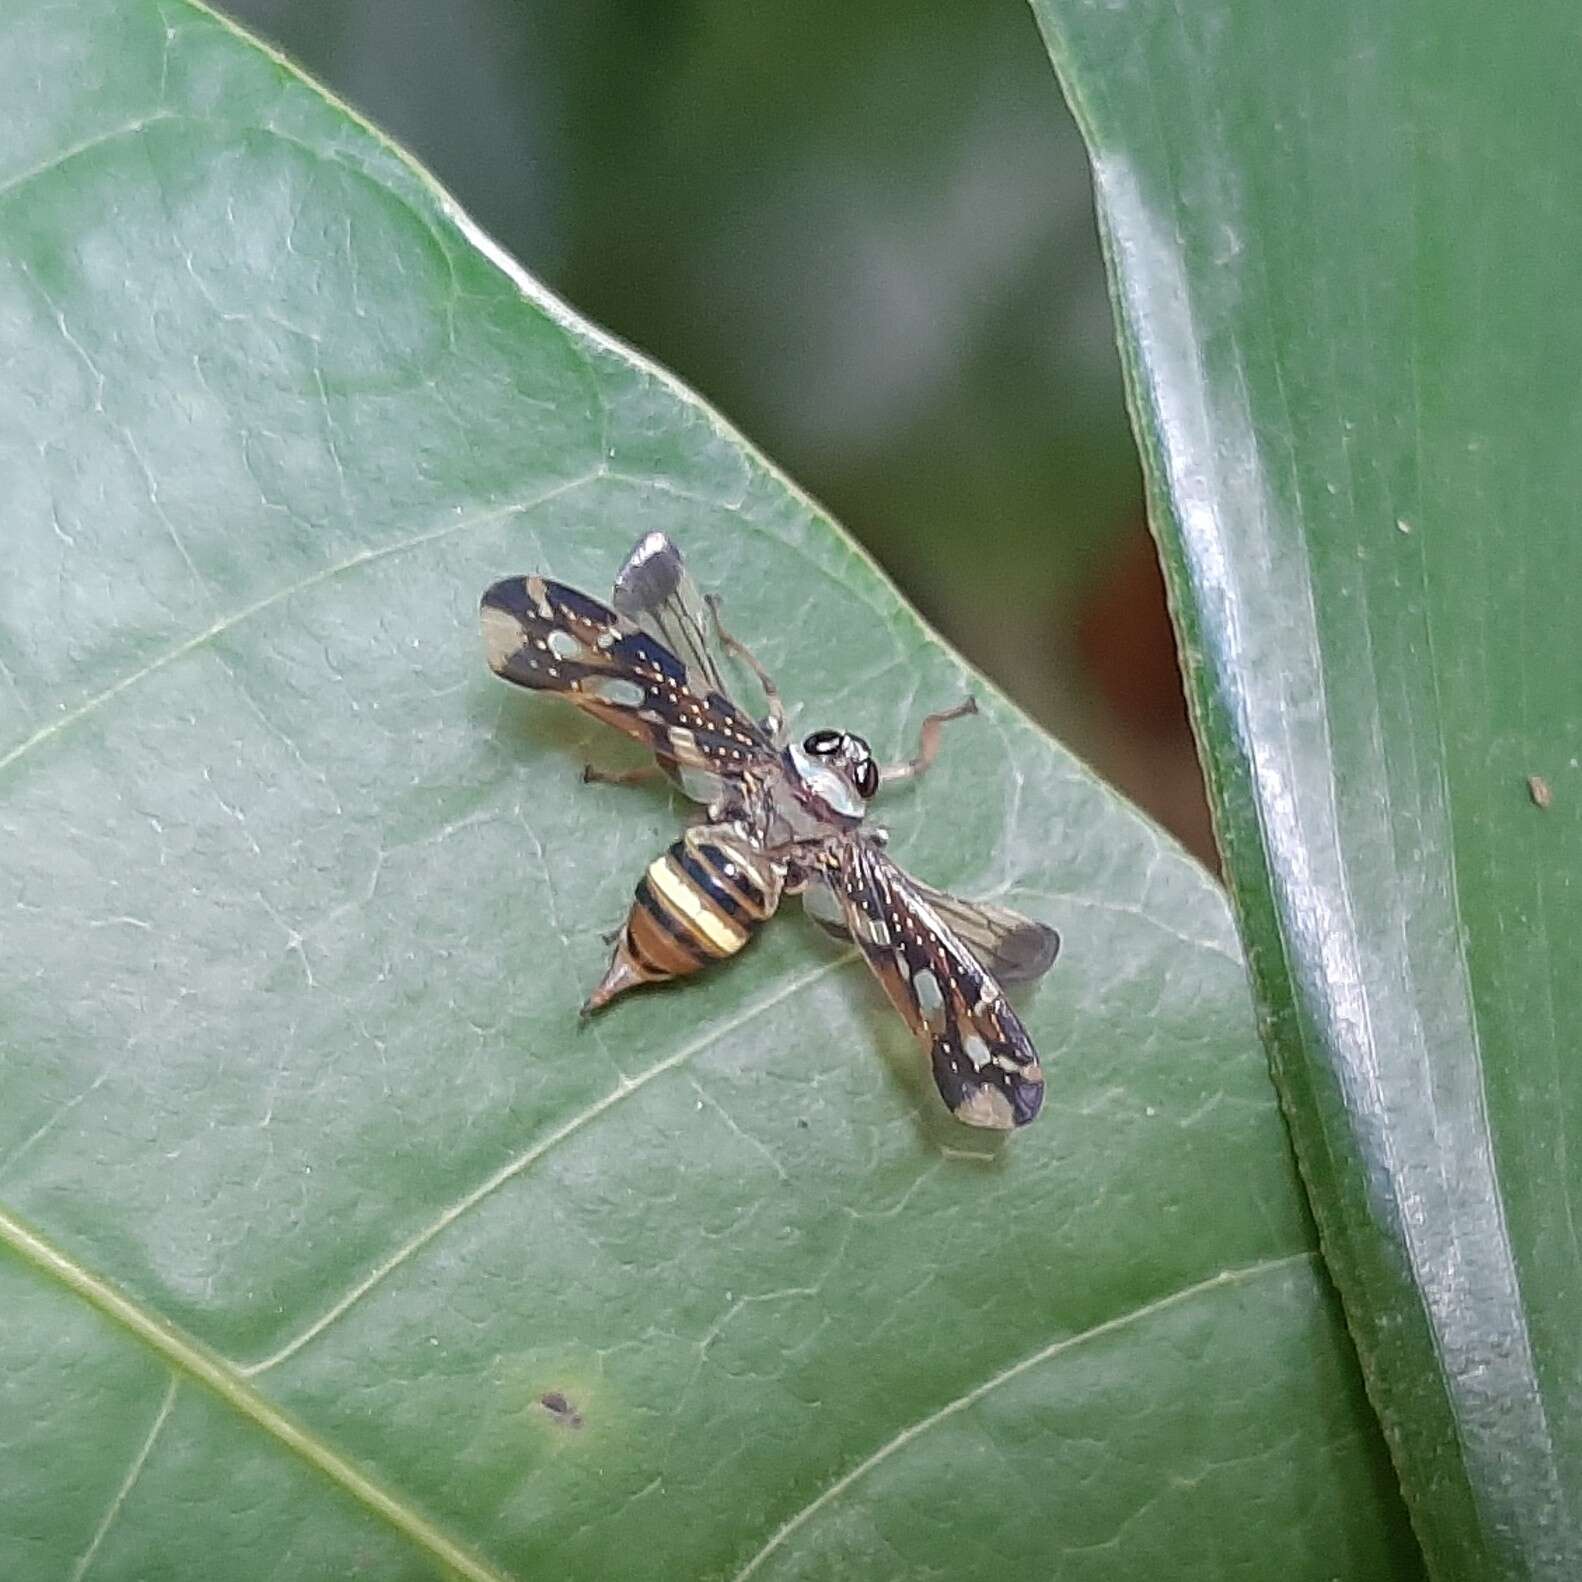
x: 865, y: 233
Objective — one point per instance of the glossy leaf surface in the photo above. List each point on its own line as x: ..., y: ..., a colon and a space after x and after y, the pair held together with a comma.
x: 330, y: 1244
x: 1342, y: 239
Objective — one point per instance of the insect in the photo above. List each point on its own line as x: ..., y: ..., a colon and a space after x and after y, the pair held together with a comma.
x: 782, y: 818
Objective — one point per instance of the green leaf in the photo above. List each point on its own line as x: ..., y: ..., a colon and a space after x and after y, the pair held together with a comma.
x: 330, y: 1243
x: 1343, y: 244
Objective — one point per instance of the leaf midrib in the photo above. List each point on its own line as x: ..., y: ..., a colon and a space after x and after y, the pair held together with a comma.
x: 185, y: 1355
x: 229, y: 1381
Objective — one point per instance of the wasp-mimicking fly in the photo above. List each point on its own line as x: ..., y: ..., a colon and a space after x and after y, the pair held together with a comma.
x: 783, y: 818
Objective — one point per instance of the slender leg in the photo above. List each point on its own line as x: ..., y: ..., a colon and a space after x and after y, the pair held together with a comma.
x: 593, y: 775
x: 777, y: 713
x: 927, y: 743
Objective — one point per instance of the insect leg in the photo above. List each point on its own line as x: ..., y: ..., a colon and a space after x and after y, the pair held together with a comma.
x: 927, y: 743
x: 777, y: 713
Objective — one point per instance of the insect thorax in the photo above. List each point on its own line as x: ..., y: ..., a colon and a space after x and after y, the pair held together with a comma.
x: 808, y: 800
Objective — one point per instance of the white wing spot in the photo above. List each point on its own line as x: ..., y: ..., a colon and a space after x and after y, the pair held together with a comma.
x: 987, y: 1107
x: 502, y: 635
x: 926, y: 987
x: 618, y: 690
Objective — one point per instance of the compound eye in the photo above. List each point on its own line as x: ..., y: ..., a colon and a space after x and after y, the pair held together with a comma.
x: 868, y: 778
x: 823, y: 743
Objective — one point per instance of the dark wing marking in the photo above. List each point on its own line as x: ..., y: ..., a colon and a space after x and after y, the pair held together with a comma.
x: 655, y: 590
x: 984, y: 1062
x: 549, y: 637
x: 1014, y: 948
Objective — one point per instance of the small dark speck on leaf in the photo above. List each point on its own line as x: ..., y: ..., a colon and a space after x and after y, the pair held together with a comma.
x: 560, y: 1409
x: 1538, y: 790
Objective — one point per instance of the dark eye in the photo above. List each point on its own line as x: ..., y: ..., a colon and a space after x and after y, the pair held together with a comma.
x: 823, y: 743
x: 868, y: 777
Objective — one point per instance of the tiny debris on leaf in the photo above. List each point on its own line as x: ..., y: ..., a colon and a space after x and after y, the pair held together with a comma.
x: 1538, y: 790
x: 560, y: 1409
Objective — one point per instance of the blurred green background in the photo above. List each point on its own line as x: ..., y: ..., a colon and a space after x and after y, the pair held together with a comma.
x: 866, y: 234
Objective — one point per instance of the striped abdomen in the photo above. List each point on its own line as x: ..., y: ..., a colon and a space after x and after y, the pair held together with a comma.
x: 699, y: 903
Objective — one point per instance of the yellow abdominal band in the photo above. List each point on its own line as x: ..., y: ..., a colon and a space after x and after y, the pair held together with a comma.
x: 724, y: 936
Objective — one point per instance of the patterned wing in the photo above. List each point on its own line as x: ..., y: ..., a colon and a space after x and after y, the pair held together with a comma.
x: 984, y: 1062
x: 549, y: 637
x: 1014, y: 948
x: 656, y: 591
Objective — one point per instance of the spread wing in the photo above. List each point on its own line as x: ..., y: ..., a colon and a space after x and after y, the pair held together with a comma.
x: 655, y: 590
x: 984, y: 1062
x: 1014, y: 948
x: 549, y: 637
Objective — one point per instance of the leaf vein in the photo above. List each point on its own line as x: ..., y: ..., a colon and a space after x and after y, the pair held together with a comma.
x: 25, y: 178
x: 133, y: 1473
x: 325, y: 574
x: 1226, y: 1277
x: 523, y: 1161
